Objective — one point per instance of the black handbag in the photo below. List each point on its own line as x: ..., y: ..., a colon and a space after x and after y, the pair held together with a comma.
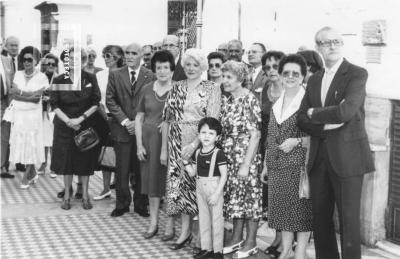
x: 86, y: 139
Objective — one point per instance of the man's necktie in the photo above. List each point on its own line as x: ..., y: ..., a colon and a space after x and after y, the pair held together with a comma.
x: 13, y: 64
x: 3, y: 91
x: 133, y: 81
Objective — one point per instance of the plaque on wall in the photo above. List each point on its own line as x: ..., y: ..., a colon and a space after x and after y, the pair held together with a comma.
x: 374, y: 33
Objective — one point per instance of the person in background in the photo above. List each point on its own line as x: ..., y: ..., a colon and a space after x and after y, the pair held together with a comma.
x: 241, y: 121
x: 6, y: 77
x: 215, y: 61
x: 157, y: 46
x: 188, y: 102
x: 332, y: 113
x: 12, y: 47
x: 271, y: 93
x: 90, y: 67
x: 235, y: 50
x: 147, y: 54
x: 148, y: 136
x: 257, y: 76
x: 172, y: 44
x: 314, y: 62
x: 50, y: 63
x: 223, y: 48
x: 208, y: 164
x: 285, y: 158
x: 113, y: 56
x: 26, y: 135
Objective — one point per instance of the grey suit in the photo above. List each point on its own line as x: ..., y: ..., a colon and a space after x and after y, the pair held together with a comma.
x: 258, y: 85
x: 5, y: 101
x: 121, y: 102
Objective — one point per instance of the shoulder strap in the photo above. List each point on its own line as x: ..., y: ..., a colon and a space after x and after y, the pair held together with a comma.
x: 212, y: 164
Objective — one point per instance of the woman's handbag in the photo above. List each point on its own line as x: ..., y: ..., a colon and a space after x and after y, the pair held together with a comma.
x: 304, y: 185
x: 107, y: 157
x: 86, y: 139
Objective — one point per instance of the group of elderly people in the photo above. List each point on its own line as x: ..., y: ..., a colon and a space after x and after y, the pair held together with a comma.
x: 260, y: 137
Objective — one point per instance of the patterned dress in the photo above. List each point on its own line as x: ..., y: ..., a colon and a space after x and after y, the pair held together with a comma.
x: 183, y: 110
x: 286, y: 211
x: 242, y: 197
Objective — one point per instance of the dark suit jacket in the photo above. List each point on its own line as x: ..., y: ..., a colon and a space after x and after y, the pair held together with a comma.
x: 9, y: 77
x: 348, y: 147
x: 259, y: 84
x: 179, y: 74
x: 121, y: 102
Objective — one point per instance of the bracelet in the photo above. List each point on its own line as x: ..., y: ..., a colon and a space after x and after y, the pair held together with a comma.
x: 84, y: 116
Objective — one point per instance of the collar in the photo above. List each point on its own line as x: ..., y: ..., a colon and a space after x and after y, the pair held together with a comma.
x: 257, y: 71
x: 335, y: 67
x: 176, y: 60
x: 136, y: 71
x: 293, y: 107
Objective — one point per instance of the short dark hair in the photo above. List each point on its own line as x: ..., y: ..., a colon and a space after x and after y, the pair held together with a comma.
x: 277, y: 55
x: 216, y: 55
x: 162, y: 56
x: 118, y: 50
x: 212, y: 123
x: 296, y: 59
x: 29, y: 50
x: 53, y: 57
x: 263, y: 48
x: 148, y: 45
x: 313, y: 59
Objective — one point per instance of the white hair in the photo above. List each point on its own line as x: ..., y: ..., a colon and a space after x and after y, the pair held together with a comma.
x: 197, y: 55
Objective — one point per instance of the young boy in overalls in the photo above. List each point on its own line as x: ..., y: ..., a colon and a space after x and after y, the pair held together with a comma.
x: 209, y: 166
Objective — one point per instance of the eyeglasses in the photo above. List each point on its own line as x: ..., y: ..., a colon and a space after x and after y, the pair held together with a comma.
x: 147, y: 54
x: 107, y: 55
x: 328, y: 43
x: 268, y: 68
x: 235, y: 51
x: 168, y: 46
x: 253, y: 52
x: 222, y: 50
x: 288, y: 74
x: 51, y: 64
x: 30, y: 60
x: 130, y: 53
x: 91, y: 56
x: 216, y: 65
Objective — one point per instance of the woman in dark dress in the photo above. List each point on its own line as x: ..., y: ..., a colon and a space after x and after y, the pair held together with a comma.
x: 75, y: 110
x: 148, y: 135
x: 285, y: 158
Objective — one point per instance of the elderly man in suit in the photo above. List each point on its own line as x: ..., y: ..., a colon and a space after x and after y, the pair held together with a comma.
x: 122, y: 96
x: 258, y: 78
x: 332, y: 112
x: 6, y: 77
x: 172, y: 44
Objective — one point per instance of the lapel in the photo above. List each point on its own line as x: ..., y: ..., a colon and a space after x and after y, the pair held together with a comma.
x: 125, y: 80
x: 7, y: 71
x: 290, y: 110
x: 337, y: 81
x: 317, y: 93
x: 141, y: 79
x: 260, y: 80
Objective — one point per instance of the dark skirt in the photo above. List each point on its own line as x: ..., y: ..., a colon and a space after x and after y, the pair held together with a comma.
x: 152, y: 172
x: 66, y: 159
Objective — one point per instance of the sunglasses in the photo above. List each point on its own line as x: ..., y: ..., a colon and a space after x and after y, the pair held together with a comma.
x: 51, y: 64
x: 328, y: 43
x: 293, y: 74
x: 217, y: 65
x: 107, y: 55
x: 268, y: 68
x: 30, y: 60
x: 91, y: 56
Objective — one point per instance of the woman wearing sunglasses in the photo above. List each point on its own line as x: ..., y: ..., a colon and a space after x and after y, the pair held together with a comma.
x: 285, y: 159
x: 26, y: 136
x: 90, y: 67
x: 113, y: 56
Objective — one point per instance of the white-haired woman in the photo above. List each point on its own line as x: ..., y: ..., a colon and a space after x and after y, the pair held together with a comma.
x: 188, y: 102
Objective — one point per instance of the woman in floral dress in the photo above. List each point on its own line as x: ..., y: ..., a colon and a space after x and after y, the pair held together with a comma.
x: 188, y: 102
x: 241, y: 121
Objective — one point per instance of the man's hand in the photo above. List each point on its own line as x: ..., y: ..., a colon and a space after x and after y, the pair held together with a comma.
x: 141, y: 153
x: 288, y: 145
x: 130, y: 127
x: 309, y: 112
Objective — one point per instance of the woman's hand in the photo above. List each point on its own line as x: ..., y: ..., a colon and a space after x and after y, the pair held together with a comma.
x: 75, y: 121
x: 187, y: 151
x: 164, y: 157
x: 288, y: 144
x: 264, y: 175
x: 243, y: 171
x: 141, y: 153
x: 14, y: 90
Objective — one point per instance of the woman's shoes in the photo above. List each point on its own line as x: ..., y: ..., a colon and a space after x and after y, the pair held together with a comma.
x: 86, y: 204
x: 232, y: 248
x: 272, y: 251
x: 31, y: 181
x: 169, y: 237
x: 240, y: 254
x: 177, y: 246
x: 66, y: 205
x: 149, y: 235
x: 102, y: 196
x: 24, y: 186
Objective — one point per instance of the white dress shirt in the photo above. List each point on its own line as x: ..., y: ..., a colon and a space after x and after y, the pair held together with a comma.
x: 130, y: 79
x: 255, y: 73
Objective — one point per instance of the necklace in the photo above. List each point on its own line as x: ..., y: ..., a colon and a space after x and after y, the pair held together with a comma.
x: 157, y: 86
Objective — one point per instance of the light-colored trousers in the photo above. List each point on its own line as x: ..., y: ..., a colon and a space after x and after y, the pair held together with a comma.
x: 211, y: 219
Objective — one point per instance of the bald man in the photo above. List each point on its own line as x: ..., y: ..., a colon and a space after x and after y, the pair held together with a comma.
x: 172, y: 44
x: 223, y: 48
x: 122, y: 95
x: 12, y: 48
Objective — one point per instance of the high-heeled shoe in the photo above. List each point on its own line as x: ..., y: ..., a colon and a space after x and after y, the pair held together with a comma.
x: 169, y: 237
x: 86, y: 204
x: 66, y: 205
x: 34, y: 179
x: 148, y: 235
x: 176, y: 246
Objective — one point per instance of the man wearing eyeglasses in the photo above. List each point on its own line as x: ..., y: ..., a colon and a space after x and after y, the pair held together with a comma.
x: 257, y: 78
x: 122, y: 96
x: 332, y: 112
x: 171, y: 43
x: 147, y: 54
